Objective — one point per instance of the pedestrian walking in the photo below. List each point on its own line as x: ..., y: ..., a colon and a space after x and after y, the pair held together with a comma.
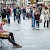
x: 18, y: 12
x: 14, y: 10
x: 28, y: 12
x: 24, y: 12
x: 8, y: 12
x: 33, y: 18
x: 37, y: 17
x: 46, y: 16
x: 3, y: 13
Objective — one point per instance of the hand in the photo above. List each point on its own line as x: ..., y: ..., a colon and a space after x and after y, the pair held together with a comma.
x: 6, y: 31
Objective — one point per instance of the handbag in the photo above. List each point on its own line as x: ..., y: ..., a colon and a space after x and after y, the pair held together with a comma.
x: 40, y: 21
x: 4, y: 35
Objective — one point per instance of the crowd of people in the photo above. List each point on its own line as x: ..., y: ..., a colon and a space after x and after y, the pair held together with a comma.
x: 32, y: 12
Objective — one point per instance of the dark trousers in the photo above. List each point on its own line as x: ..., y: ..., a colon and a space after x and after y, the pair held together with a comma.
x: 10, y: 38
x: 18, y: 18
x: 14, y: 18
x: 8, y: 18
x: 47, y: 23
x: 23, y: 15
x: 3, y: 17
x: 37, y: 23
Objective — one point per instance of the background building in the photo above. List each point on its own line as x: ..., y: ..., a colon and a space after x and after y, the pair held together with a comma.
x: 27, y: 2
x: 47, y: 2
x: 32, y: 1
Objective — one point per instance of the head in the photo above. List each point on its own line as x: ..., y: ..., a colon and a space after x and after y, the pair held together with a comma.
x: 46, y: 7
x: 18, y: 7
x: 34, y: 8
x: 4, y: 21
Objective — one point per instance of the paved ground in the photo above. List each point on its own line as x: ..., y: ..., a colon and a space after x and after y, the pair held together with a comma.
x: 27, y: 37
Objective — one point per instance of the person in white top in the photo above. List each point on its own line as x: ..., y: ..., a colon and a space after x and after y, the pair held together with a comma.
x: 46, y: 16
x: 27, y: 11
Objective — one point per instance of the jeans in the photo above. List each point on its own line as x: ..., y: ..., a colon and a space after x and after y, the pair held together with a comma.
x: 8, y: 18
x: 14, y: 18
x: 37, y: 23
x: 18, y: 18
x: 23, y: 15
x: 33, y: 22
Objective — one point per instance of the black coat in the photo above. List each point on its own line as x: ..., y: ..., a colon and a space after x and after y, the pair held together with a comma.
x: 3, y: 13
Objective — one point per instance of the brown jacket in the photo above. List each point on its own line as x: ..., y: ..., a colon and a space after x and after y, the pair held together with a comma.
x: 37, y: 15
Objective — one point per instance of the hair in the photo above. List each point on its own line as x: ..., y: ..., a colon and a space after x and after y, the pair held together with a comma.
x: 18, y: 7
x: 4, y: 20
x: 46, y: 7
x: 33, y: 7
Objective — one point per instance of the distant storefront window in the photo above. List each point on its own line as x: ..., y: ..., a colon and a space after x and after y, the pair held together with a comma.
x: 40, y: 0
x: 48, y: 2
x: 11, y: 0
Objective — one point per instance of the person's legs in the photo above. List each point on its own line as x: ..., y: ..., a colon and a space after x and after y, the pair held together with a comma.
x: 47, y: 23
x: 23, y: 15
x: 44, y: 23
x: 8, y: 18
x: 38, y: 24
x: 12, y: 36
x: 33, y: 22
x: 14, y: 18
x: 28, y: 15
x: 18, y: 19
x: 11, y: 39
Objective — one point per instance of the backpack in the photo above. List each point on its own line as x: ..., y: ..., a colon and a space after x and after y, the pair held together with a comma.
x: 17, y: 11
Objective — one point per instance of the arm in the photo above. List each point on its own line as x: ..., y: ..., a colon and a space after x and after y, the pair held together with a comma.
x: 48, y: 14
x: 2, y: 23
x: 3, y: 31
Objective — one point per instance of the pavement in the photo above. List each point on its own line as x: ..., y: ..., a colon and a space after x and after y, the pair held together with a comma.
x: 27, y: 37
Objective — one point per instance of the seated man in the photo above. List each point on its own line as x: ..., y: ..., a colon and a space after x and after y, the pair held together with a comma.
x: 7, y: 35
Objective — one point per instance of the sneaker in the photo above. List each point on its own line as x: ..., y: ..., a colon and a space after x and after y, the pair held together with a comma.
x: 37, y: 29
x: 33, y: 28
x: 17, y: 46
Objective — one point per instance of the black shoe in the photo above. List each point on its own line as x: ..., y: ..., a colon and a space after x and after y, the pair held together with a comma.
x: 18, y: 22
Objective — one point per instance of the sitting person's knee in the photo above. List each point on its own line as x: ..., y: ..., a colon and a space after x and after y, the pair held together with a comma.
x: 10, y: 33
